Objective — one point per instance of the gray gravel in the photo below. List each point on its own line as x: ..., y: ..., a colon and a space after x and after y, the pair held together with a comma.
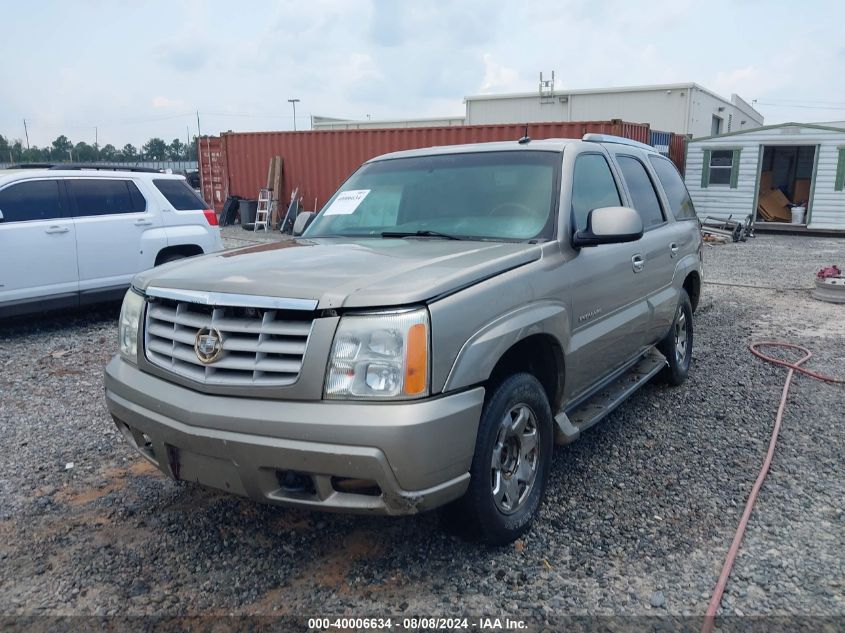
x: 638, y: 518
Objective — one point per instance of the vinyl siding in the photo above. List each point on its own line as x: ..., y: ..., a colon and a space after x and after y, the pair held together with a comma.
x: 827, y: 207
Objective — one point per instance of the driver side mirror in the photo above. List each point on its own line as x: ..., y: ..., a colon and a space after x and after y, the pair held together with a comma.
x: 610, y: 225
x: 303, y: 221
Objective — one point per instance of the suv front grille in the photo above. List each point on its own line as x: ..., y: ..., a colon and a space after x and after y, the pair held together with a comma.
x: 260, y: 347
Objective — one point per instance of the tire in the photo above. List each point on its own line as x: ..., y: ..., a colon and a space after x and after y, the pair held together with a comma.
x: 676, y: 346
x: 493, y: 510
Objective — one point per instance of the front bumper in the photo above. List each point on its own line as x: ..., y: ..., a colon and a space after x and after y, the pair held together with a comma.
x: 381, y: 458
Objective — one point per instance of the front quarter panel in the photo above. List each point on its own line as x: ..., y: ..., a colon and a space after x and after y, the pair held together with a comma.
x: 473, y: 328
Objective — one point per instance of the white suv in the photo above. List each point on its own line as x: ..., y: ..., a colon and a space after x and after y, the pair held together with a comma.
x: 76, y: 236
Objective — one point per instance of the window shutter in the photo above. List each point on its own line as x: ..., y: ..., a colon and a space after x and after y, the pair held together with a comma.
x: 735, y: 168
x: 705, y: 169
x: 839, y: 183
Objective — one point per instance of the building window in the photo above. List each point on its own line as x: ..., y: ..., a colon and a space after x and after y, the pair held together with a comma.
x: 839, y: 181
x: 716, y: 125
x: 720, y: 167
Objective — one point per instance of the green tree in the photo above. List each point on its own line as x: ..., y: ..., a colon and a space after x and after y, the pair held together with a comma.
x: 192, y: 149
x: 154, y: 149
x: 176, y: 150
x: 84, y: 153
x: 108, y: 152
x: 128, y: 153
x: 61, y: 148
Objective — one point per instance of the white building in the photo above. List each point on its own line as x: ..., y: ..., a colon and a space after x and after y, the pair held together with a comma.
x: 791, y: 163
x: 332, y: 123
x: 680, y: 108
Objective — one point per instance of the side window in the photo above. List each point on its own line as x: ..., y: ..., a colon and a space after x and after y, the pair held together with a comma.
x: 106, y: 197
x: 643, y: 194
x: 179, y: 194
x: 31, y: 200
x: 593, y: 187
x: 679, y: 199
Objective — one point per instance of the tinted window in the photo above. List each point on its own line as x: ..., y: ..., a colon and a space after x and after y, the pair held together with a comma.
x: 33, y: 200
x: 179, y: 194
x: 643, y: 194
x: 106, y: 197
x: 593, y: 187
x: 673, y: 185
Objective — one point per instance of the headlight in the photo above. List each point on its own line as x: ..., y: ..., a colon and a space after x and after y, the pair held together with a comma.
x: 127, y: 330
x: 380, y: 356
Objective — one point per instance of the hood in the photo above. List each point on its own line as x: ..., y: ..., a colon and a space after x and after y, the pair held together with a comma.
x: 344, y: 274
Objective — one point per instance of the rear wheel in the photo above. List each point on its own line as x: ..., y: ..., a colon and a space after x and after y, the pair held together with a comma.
x: 677, y: 345
x: 511, y: 463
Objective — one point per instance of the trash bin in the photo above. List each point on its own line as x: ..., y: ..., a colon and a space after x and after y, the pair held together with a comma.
x: 247, y: 210
x: 798, y: 215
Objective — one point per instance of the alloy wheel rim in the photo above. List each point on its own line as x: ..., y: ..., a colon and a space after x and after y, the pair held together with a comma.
x: 515, y: 459
x: 681, y: 336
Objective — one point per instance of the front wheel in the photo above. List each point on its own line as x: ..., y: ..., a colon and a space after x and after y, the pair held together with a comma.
x: 511, y: 464
x: 676, y: 346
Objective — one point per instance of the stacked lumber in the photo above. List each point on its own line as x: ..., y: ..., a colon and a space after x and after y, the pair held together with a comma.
x: 276, y: 185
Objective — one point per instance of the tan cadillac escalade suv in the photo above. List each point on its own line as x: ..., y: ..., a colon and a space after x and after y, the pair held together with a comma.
x: 448, y: 316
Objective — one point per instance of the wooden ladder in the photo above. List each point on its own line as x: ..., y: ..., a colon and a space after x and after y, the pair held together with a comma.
x: 262, y: 213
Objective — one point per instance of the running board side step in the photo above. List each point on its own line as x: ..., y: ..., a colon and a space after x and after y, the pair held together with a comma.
x: 570, y: 423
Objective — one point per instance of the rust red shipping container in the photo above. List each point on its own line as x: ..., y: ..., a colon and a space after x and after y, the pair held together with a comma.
x: 319, y: 161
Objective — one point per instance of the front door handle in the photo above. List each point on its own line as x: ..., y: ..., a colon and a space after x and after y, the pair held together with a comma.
x: 143, y: 222
x: 57, y: 229
x: 673, y: 249
x: 638, y: 263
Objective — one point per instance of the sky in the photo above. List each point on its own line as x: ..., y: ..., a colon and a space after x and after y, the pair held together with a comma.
x: 121, y: 72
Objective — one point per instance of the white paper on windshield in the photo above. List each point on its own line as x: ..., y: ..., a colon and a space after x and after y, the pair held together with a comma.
x: 347, y: 202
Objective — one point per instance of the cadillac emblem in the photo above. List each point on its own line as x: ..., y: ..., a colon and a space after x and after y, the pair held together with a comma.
x: 208, y: 345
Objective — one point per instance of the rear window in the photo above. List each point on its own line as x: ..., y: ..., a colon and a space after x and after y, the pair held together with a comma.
x: 673, y: 185
x: 106, y: 197
x: 179, y: 194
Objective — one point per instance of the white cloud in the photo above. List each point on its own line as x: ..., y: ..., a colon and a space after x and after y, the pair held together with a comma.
x: 165, y: 103
x: 498, y: 77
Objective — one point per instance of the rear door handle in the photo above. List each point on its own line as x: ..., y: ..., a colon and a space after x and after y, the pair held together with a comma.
x: 143, y: 222
x: 57, y: 229
x: 673, y: 249
x: 638, y: 263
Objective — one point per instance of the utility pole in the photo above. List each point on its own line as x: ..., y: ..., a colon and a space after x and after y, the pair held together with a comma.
x: 96, y: 138
x: 293, y: 102
x: 199, y: 133
x: 188, y: 144
x: 26, y: 133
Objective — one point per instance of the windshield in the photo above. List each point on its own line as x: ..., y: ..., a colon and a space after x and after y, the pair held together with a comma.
x: 487, y: 195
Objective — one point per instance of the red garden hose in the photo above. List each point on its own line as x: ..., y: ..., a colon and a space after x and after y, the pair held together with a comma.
x: 707, y: 627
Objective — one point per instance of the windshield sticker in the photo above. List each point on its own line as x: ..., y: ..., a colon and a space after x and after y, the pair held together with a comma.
x: 347, y: 202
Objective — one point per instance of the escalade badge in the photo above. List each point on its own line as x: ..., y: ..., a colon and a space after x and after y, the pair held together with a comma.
x: 208, y: 345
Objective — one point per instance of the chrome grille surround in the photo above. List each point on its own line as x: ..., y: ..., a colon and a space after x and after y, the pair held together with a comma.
x: 263, y: 344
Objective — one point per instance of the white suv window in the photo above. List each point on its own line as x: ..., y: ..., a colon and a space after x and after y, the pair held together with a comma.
x: 107, y: 196
x: 31, y: 200
x: 179, y: 194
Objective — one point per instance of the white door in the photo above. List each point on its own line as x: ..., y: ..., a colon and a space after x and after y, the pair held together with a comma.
x: 37, y: 243
x: 115, y: 231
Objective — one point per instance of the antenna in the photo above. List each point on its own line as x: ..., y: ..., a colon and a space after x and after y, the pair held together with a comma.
x: 525, y: 138
x: 547, y: 89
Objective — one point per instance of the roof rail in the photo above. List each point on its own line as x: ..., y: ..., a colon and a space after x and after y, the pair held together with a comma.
x: 30, y: 166
x: 98, y: 167
x: 621, y: 140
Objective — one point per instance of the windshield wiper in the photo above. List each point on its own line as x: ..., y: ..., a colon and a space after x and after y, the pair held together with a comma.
x: 425, y: 233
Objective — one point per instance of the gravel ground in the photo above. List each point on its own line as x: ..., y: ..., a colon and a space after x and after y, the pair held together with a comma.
x: 638, y: 517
